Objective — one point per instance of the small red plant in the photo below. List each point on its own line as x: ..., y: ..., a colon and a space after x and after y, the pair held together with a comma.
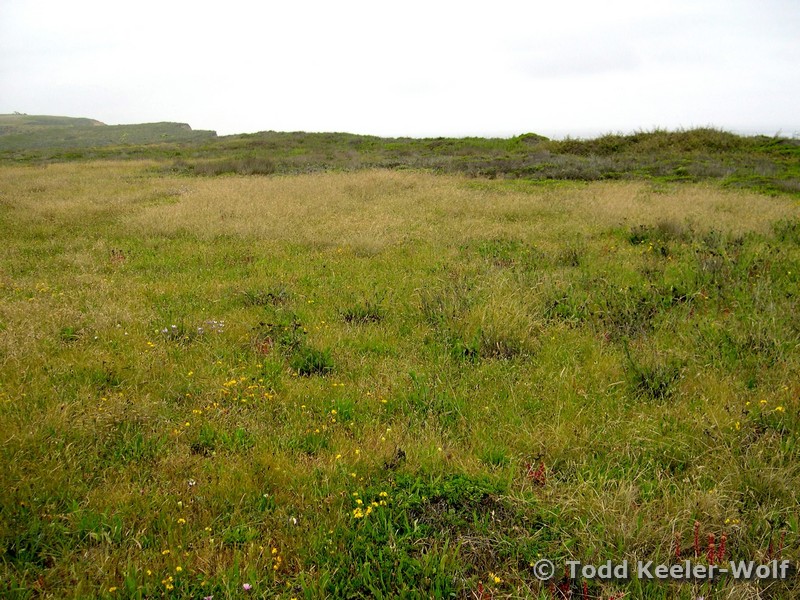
x: 721, y: 550
x: 678, y: 546
x: 480, y: 593
x: 772, y: 553
x: 712, y: 550
x: 538, y: 475
x: 696, y: 539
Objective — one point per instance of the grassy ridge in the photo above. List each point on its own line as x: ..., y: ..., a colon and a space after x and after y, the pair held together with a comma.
x: 67, y: 135
x: 383, y: 383
x: 767, y: 164
x: 20, y: 123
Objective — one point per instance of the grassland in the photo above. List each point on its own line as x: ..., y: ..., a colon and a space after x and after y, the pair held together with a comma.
x: 356, y: 382
x: 766, y: 164
x: 70, y: 137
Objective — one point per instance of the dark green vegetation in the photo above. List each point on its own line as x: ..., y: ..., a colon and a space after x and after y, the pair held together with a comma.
x: 386, y: 383
x: 25, y: 136
x: 767, y: 164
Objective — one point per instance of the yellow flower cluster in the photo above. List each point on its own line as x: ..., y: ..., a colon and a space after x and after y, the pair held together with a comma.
x: 361, y: 510
x: 253, y: 391
x: 277, y: 560
x: 168, y: 583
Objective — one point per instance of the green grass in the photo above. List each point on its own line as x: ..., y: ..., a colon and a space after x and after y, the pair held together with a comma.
x: 761, y: 163
x: 389, y: 383
x: 74, y: 137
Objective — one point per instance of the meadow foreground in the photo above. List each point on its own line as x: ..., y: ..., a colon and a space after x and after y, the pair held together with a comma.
x: 391, y: 383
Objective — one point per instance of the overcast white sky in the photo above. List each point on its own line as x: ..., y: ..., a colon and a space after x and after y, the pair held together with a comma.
x: 415, y: 68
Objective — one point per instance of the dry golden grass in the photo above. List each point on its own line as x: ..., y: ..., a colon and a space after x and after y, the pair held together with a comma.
x: 370, y: 210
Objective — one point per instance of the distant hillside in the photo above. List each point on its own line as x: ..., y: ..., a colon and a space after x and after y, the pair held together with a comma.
x: 37, y: 132
x: 19, y: 123
x: 767, y: 164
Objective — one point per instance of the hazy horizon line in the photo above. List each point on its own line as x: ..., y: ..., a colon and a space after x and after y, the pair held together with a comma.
x: 553, y: 134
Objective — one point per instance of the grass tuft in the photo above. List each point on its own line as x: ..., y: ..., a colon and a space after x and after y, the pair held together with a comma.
x: 309, y: 361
